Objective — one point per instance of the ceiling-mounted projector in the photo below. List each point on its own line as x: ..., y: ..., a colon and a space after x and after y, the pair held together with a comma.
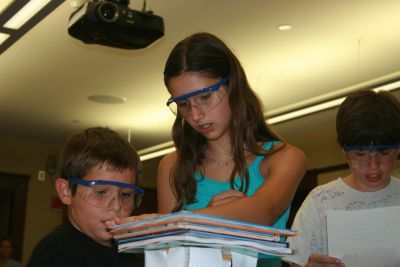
x: 112, y: 23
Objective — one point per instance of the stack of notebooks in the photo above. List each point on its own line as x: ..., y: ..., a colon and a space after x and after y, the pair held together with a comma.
x: 187, y: 228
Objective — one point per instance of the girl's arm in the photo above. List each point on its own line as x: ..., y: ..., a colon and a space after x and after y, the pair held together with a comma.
x: 165, y: 194
x: 283, y: 171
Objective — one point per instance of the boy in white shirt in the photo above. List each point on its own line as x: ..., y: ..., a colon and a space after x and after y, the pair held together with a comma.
x: 368, y: 130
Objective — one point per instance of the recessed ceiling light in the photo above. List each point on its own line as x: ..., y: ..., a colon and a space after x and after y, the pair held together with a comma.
x: 107, y: 99
x: 285, y: 27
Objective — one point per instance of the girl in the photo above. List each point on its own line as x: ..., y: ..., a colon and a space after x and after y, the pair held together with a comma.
x: 227, y: 161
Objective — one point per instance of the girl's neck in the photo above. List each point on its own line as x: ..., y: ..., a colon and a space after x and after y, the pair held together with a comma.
x: 219, y: 152
x: 219, y: 161
x: 220, y: 147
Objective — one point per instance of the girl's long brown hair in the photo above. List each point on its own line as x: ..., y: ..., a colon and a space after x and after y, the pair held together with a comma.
x: 206, y: 54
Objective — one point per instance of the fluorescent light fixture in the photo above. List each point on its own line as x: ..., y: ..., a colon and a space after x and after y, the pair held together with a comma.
x: 323, y: 106
x: 305, y: 111
x: 20, y: 16
x: 4, y: 5
x: 3, y: 37
x: 388, y: 87
x: 25, y: 14
x: 156, y: 151
x: 156, y: 154
x: 165, y: 148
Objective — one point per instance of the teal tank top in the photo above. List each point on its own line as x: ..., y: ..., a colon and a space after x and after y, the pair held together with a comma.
x: 207, y: 188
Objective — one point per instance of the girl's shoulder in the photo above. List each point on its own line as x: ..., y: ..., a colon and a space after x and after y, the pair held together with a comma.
x: 170, y: 156
x: 287, y: 155
x: 283, y: 157
x: 168, y: 160
x: 287, y: 150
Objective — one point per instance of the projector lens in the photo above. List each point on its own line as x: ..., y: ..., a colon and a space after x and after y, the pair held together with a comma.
x: 108, y: 12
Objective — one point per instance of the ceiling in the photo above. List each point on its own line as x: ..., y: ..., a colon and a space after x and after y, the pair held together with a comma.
x: 334, y: 47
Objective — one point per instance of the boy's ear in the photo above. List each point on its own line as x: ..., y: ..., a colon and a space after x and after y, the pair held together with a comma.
x: 63, y: 191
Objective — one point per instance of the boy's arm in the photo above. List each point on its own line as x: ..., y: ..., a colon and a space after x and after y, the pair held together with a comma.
x: 319, y: 260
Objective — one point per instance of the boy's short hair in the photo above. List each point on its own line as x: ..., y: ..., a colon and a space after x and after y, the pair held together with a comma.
x: 98, y: 145
x: 368, y: 118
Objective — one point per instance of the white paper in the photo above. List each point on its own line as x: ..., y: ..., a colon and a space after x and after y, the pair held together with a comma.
x: 204, y: 257
x: 184, y: 257
x: 241, y: 260
x: 368, y: 238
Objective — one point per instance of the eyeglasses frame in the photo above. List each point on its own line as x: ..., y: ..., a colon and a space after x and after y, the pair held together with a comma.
x: 380, y: 147
x: 211, y: 88
x: 89, y: 183
x: 105, y: 182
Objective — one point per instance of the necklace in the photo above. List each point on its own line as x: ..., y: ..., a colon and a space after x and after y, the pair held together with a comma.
x: 217, y: 161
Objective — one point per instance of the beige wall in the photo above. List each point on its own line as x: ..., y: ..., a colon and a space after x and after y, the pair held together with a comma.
x: 149, y: 173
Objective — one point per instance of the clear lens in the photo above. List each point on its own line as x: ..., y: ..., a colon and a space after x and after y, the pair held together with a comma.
x: 103, y: 195
x: 366, y: 156
x: 202, y: 102
x: 174, y: 108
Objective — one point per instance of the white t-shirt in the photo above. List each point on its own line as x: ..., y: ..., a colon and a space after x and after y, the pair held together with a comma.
x: 310, y: 220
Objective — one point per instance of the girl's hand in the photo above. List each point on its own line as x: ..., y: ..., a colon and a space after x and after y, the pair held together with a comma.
x: 131, y: 219
x: 225, y: 197
x: 319, y: 260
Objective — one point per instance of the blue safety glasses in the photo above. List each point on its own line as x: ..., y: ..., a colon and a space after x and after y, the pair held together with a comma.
x: 203, y: 99
x: 365, y: 154
x: 101, y: 193
x: 381, y: 147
